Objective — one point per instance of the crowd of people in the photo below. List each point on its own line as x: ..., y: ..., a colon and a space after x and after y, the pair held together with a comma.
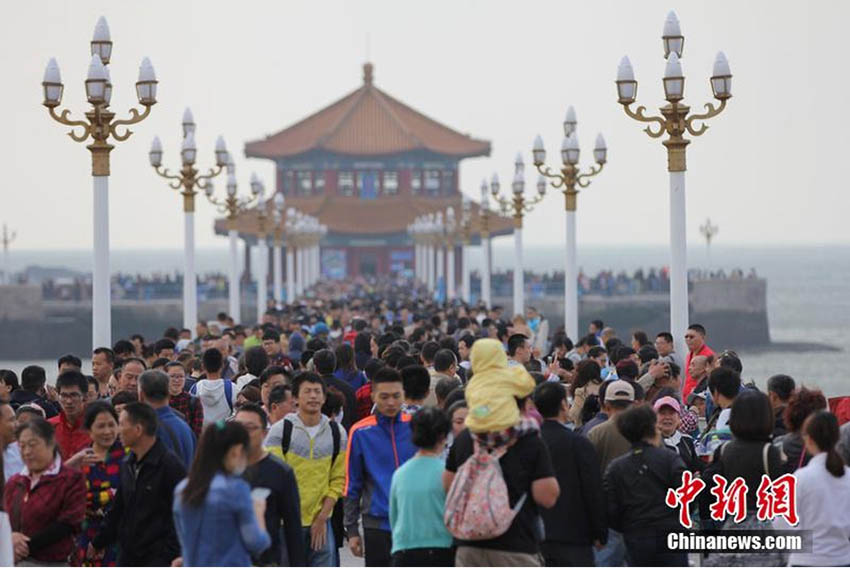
x: 413, y: 433
x: 215, y: 285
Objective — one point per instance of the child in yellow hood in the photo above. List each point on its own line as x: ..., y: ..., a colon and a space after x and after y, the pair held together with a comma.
x: 491, y: 394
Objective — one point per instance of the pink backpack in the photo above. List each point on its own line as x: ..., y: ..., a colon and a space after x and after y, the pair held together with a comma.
x: 477, y: 506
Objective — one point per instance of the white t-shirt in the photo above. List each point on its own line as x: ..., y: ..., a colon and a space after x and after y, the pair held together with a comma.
x: 313, y: 430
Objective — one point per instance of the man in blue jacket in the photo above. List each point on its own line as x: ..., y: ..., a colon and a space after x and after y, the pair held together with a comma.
x: 173, y: 430
x: 377, y: 446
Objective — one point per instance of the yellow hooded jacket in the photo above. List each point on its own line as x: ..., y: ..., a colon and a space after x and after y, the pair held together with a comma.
x: 492, y: 392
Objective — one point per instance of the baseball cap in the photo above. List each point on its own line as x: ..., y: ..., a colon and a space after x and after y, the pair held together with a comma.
x: 666, y: 401
x: 620, y: 390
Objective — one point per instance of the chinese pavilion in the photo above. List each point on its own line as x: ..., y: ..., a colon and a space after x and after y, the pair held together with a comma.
x: 366, y: 166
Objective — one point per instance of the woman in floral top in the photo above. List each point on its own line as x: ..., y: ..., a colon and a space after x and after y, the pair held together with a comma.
x: 100, y: 464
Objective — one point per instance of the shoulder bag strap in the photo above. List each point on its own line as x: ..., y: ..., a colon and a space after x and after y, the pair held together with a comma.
x: 337, y: 440
x: 287, y: 437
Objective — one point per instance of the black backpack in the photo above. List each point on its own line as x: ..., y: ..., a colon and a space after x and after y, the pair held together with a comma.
x: 287, y: 438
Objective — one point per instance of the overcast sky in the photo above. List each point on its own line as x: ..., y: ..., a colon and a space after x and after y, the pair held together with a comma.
x: 772, y: 168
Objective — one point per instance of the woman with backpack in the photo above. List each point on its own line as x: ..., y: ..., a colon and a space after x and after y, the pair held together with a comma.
x: 823, y: 496
x: 417, y: 497
x: 750, y: 455
x: 217, y: 520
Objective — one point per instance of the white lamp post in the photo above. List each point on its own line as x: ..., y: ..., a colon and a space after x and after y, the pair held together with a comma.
x: 233, y: 206
x: 188, y: 181
x: 262, y: 249
x: 675, y: 120
x: 101, y: 126
x: 466, y: 218
x: 451, y: 227
x: 484, y: 212
x: 439, y: 232
x: 8, y: 238
x: 568, y: 178
x: 521, y: 205
x: 276, y: 253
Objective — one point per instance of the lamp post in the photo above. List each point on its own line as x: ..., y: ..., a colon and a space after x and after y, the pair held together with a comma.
x: 708, y: 231
x: 451, y: 228
x: 465, y: 225
x: 188, y: 181
x: 262, y: 249
x: 100, y: 125
x: 675, y: 120
x: 438, y: 237
x: 277, y: 241
x: 520, y: 206
x: 8, y: 238
x: 569, y: 177
x: 290, y: 256
x: 233, y: 206
x: 484, y: 214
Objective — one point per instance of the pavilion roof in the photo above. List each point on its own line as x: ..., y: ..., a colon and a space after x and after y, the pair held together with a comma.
x: 367, y: 122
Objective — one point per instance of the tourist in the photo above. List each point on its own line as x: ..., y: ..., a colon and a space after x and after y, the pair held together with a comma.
x: 33, y: 381
x: 587, y: 382
x: 217, y: 394
x: 801, y: 404
x: 606, y: 437
x: 272, y: 347
x: 749, y: 455
x: 92, y: 393
x: 102, y: 366
x: 218, y: 522
x: 664, y: 345
x: 325, y: 362
x: 669, y: 413
x: 779, y: 391
x: 46, y: 500
x: 280, y: 403
x: 377, y: 446
x: 445, y: 367
x: 417, y: 496
x: 283, y: 509
x: 140, y: 520
x: 539, y: 327
x: 128, y: 374
x: 100, y: 463
x: 346, y: 368
x: 173, y: 430
x: 595, y: 327
x: 164, y: 348
x: 256, y: 362
x: 417, y: 388
x: 695, y: 340
x: 724, y: 385
x: 181, y: 401
x: 519, y: 350
x: 636, y: 486
x: 609, y: 443
x: 823, y: 496
x: 314, y: 446
x: 70, y: 432
x: 270, y: 378
x: 495, y: 421
x: 577, y: 521
x: 123, y: 349
x: 122, y: 399
x: 8, y: 384
x: 69, y: 362
x: 442, y: 389
x: 12, y: 462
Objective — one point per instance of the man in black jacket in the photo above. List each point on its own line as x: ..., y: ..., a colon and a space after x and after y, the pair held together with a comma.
x: 325, y: 362
x: 141, y: 520
x: 577, y: 521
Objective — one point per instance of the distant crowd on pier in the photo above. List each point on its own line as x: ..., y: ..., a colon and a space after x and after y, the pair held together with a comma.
x: 161, y: 286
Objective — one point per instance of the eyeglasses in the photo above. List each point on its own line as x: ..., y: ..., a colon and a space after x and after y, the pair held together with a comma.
x: 70, y: 395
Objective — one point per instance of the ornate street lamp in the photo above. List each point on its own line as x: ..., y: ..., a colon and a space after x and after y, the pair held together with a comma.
x: 675, y: 120
x: 520, y: 205
x: 233, y: 206
x: 567, y: 179
x: 188, y: 182
x: 101, y: 126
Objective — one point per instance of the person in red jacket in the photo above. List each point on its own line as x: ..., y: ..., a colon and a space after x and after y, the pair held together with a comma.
x: 46, y: 502
x: 71, y: 435
x: 695, y: 340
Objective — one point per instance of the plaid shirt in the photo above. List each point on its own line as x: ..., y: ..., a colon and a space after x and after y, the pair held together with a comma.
x: 192, y: 411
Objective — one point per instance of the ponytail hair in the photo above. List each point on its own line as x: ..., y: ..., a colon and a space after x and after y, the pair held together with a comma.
x: 822, y: 428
